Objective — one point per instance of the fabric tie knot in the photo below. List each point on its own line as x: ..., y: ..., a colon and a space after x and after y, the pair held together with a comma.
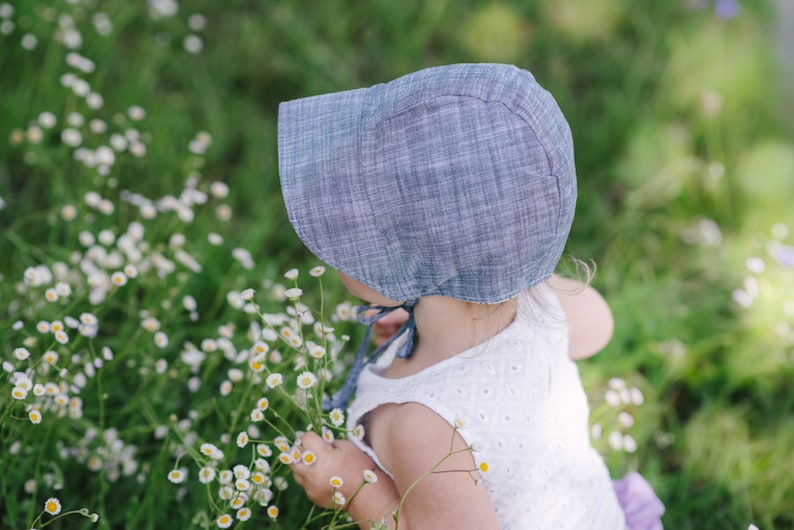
x: 408, y: 330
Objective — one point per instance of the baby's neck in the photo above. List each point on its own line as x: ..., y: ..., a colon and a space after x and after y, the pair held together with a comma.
x: 446, y: 327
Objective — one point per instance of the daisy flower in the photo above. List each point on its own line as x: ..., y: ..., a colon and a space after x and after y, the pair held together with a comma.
x: 370, y: 477
x: 260, y: 348
x: 241, y: 471
x: 287, y: 333
x: 282, y: 443
x: 337, y: 417
x: 280, y: 483
x: 63, y: 289
x: 206, y: 475
x: 239, y: 501
x: 89, y: 319
x: 336, y: 481
x: 293, y: 293
x: 242, y: 439
x: 69, y: 212
x: 211, y: 451
x: 309, y: 457
x: 263, y: 404
x: 52, y: 506
x: 629, y: 444
x: 160, y: 339
x: 328, y: 434
x: 136, y: 112
x: 262, y: 465
x: 306, y: 380
x: 291, y: 274
x: 317, y: 271
x: 243, y: 514
x: 263, y: 496
x: 274, y: 380
x: 218, y: 189
x: 118, y: 279
x: 61, y: 337
x: 226, y: 476
x: 318, y: 352
x: 339, y: 498
x: 34, y: 416
x: 256, y: 365
x: 21, y: 353
x: 358, y: 432
x: 46, y: 119
x: 224, y: 521
x: 177, y: 476
x: 272, y: 511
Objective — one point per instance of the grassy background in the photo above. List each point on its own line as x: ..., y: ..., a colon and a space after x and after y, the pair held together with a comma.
x: 686, y: 168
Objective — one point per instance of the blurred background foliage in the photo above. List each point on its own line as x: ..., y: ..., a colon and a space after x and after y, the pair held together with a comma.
x: 683, y: 132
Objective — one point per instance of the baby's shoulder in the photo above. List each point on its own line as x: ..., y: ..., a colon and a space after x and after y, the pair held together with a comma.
x: 394, y: 428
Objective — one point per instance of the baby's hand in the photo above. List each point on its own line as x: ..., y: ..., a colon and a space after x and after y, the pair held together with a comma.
x: 338, y: 468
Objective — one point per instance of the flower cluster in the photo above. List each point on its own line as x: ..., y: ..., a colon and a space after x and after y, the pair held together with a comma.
x: 278, y: 371
x: 614, y: 418
x: 64, y: 332
x: 110, y: 275
x: 779, y: 258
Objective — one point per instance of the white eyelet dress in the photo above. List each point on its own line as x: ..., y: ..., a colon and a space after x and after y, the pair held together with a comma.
x: 521, y: 404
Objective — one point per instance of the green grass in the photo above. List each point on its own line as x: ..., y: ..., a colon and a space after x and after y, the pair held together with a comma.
x: 686, y: 167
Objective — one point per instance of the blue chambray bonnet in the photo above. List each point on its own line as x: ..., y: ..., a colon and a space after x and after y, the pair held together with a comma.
x: 455, y: 180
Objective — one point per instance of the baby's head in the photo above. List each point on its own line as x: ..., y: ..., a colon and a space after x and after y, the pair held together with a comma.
x: 452, y: 181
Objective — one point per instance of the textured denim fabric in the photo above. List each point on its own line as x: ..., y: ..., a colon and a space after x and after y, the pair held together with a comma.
x: 456, y: 180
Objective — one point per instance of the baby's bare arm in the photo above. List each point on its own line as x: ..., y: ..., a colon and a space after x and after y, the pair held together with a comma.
x: 435, y: 475
x: 589, y: 318
x: 433, y: 468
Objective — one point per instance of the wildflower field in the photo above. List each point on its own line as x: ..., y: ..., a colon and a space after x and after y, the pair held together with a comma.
x: 164, y: 336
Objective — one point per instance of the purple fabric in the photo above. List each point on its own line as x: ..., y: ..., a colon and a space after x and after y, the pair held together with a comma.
x: 642, y: 507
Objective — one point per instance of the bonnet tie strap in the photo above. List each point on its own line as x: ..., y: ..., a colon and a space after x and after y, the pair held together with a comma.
x: 408, y: 329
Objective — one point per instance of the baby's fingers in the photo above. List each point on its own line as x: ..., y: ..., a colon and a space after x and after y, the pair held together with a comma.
x: 312, y: 449
x: 311, y: 441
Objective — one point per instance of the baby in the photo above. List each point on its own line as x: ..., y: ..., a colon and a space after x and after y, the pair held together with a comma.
x: 450, y: 193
